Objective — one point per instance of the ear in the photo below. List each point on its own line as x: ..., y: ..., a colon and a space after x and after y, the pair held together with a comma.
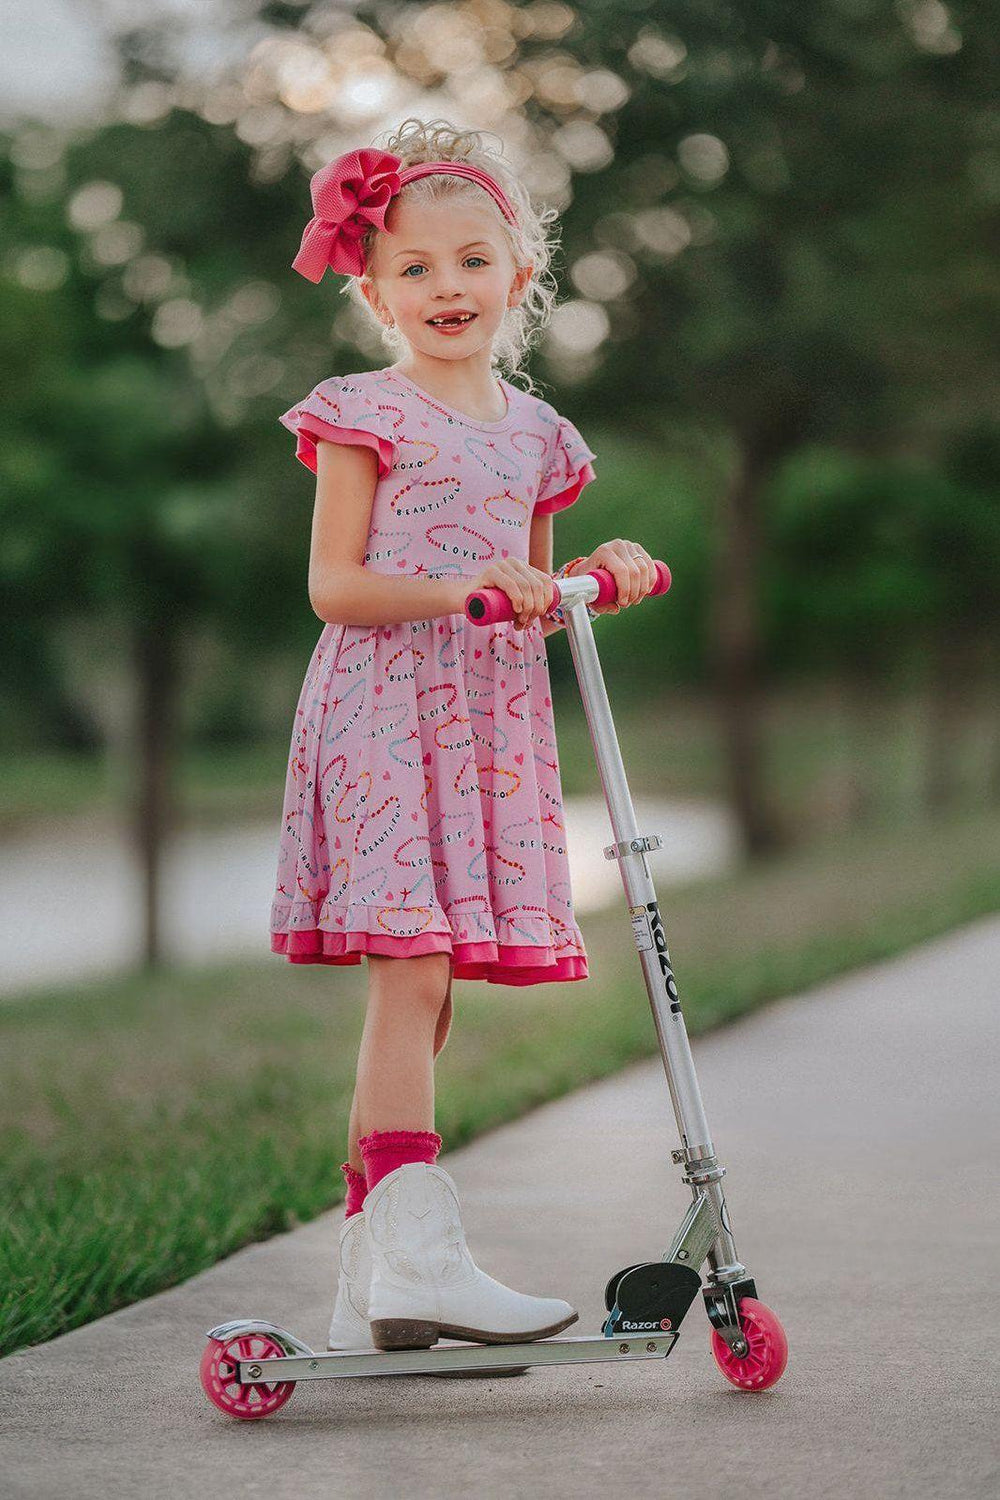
x: 517, y: 287
x: 371, y: 296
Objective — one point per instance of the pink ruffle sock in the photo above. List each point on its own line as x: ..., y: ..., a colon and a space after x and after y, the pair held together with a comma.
x: 357, y: 1187
x: 385, y: 1150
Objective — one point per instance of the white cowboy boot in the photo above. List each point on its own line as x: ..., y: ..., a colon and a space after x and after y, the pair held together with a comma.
x: 425, y: 1284
x: 349, y: 1330
x: 349, y: 1327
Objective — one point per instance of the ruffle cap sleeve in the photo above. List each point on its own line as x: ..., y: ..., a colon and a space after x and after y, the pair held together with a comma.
x: 341, y: 410
x: 567, y: 471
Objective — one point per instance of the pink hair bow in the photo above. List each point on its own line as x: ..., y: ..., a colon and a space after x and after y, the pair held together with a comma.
x: 348, y: 196
x: 354, y: 192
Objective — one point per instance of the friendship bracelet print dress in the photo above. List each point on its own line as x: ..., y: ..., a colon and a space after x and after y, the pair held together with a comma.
x: 423, y: 806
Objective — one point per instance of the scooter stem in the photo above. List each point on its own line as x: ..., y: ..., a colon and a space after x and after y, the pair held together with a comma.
x: 630, y: 849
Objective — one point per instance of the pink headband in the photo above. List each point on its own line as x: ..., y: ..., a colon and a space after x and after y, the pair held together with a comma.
x: 352, y: 193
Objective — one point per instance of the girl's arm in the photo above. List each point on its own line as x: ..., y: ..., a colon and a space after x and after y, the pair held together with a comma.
x: 540, y: 556
x: 342, y: 591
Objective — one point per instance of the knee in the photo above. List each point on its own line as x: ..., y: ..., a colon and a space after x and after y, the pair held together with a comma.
x: 420, y: 985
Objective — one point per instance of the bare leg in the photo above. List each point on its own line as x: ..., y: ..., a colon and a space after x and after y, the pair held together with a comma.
x: 395, y: 1082
x: 442, y: 1028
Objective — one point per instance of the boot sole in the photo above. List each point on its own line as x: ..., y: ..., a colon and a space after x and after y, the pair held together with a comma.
x: 420, y: 1333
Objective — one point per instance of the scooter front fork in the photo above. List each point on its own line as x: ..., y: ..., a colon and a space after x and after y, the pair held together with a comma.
x: 703, y: 1234
x: 658, y: 1294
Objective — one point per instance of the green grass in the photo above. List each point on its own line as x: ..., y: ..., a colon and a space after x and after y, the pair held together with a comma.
x: 152, y: 1125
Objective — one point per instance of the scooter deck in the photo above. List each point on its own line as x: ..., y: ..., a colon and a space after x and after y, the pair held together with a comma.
x: 306, y: 1364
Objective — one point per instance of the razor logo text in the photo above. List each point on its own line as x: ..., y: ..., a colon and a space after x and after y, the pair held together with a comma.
x: 660, y: 939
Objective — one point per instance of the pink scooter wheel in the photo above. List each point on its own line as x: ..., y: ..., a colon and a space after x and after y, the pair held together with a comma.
x: 767, y: 1356
x: 218, y: 1377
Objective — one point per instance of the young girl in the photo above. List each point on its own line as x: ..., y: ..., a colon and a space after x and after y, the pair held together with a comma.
x: 423, y: 822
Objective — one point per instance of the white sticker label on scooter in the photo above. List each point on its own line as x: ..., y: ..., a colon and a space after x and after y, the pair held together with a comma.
x: 641, y: 928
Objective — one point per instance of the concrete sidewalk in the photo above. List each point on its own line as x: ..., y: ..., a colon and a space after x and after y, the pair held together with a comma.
x: 859, y: 1126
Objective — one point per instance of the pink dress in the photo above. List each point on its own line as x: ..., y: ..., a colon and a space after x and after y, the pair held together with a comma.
x: 423, y: 806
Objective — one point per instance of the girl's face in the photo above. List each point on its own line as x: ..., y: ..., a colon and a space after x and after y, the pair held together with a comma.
x: 440, y: 259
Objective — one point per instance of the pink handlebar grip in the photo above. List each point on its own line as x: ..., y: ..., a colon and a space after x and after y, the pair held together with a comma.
x: 487, y: 606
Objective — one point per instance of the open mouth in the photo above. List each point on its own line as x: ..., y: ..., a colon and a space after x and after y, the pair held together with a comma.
x: 451, y: 320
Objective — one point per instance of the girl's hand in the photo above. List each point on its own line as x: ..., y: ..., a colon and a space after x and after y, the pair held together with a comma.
x: 531, y: 592
x: 632, y: 568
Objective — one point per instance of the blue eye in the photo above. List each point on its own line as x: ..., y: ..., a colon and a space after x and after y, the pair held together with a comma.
x: 416, y: 264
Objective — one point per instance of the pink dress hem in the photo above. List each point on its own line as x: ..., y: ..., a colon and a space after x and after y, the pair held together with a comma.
x: 500, y: 963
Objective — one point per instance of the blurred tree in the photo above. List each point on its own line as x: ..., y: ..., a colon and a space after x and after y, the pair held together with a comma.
x: 960, y: 540
x: 875, y: 564
x: 33, y: 561
x: 801, y: 202
x: 124, y: 501
x: 761, y: 219
x: 846, y: 586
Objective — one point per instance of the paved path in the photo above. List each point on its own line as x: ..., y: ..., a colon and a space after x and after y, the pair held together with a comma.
x: 859, y: 1124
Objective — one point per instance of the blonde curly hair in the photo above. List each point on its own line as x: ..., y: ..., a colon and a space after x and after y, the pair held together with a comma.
x: 532, y: 240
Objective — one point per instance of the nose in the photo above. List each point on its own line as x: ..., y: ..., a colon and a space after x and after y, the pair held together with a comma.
x: 448, y: 285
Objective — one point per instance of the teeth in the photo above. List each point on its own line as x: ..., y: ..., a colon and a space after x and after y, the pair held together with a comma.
x: 465, y: 318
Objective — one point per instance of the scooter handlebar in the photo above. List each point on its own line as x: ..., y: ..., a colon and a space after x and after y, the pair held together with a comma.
x: 487, y: 606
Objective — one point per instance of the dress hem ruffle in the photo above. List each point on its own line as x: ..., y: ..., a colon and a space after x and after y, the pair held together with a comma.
x: 498, y: 963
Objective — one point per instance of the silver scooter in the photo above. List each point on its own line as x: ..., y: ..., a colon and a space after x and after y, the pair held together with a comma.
x: 250, y: 1368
